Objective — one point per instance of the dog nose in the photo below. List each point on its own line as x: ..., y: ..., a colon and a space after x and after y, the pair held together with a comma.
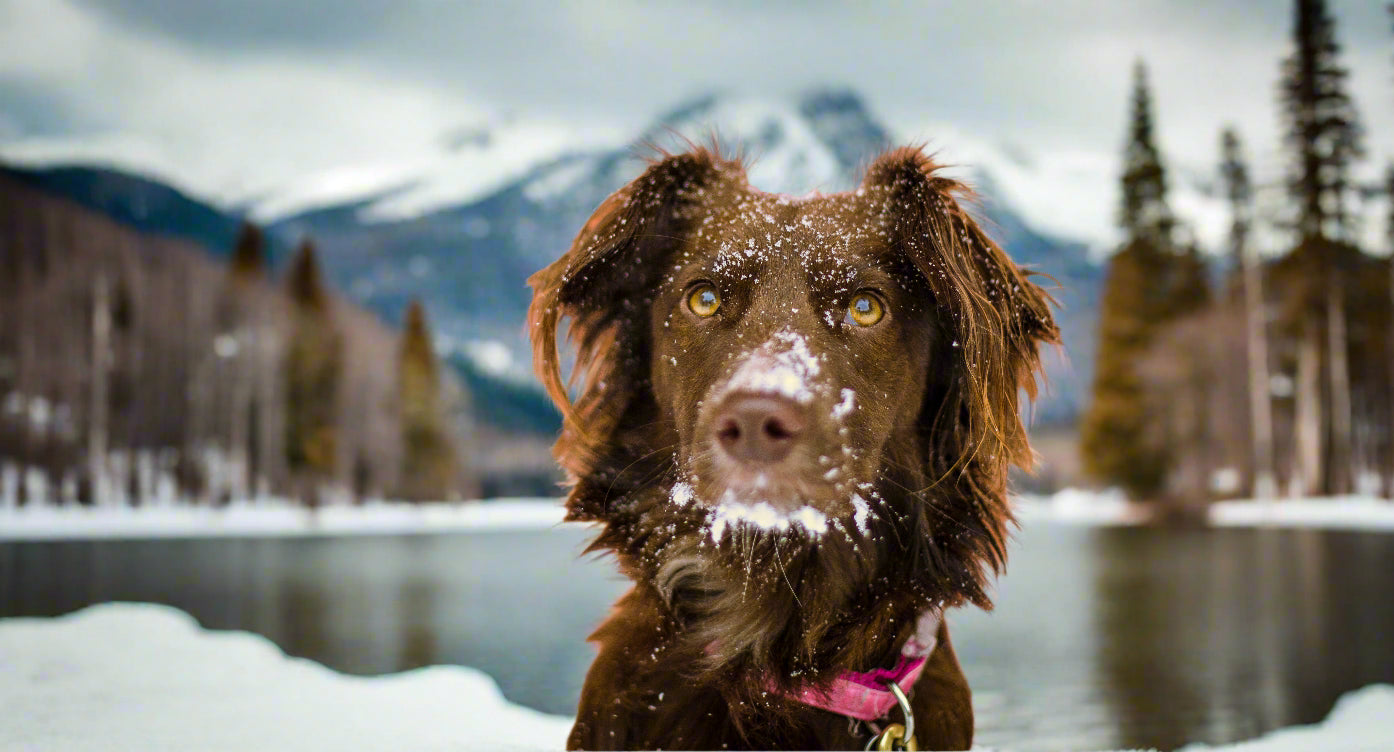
x: 759, y: 429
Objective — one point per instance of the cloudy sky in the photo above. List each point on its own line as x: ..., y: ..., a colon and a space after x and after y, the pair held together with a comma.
x: 231, y: 98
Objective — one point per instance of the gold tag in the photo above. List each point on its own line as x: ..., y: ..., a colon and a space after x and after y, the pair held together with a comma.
x: 893, y: 738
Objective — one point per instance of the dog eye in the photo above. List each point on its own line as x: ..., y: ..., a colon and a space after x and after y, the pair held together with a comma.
x: 704, y: 300
x: 865, y: 309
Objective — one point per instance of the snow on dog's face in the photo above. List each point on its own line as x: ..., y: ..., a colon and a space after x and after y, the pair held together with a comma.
x: 790, y: 344
x: 793, y: 367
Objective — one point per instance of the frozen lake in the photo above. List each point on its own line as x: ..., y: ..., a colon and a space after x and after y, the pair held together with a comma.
x: 1103, y: 637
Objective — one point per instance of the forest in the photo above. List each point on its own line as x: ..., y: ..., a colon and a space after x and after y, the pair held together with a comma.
x: 1273, y: 375
x: 138, y: 368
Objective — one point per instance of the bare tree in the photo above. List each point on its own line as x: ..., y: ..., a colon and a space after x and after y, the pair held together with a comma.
x: 1389, y: 196
x: 1240, y: 193
x: 98, y: 399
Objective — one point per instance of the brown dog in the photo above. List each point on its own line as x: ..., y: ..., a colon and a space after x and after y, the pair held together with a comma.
x: 795, y: 424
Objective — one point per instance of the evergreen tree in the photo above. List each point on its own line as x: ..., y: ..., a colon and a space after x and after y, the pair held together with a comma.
x: 313, y: 370
x: 1144, y: 213
x: 429, y: 461
x: 1189, y: 283
x: 1147, y: 284
x: 1324, y: 138
x: 1114, y: 435
x: 249, y: 254
x: 1323, y: 131
x: 306, y: 282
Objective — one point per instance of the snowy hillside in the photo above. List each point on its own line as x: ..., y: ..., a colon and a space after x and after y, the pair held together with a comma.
x: 172, y: 685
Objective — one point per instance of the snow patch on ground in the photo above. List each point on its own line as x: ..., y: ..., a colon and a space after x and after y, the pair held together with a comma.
x: 1359, y: 722
x: 1111, y: 508
x: 1078, y: 507
x: 1337, y: 513
x: 147, y: 677
x: 281, y: 517
x: 275, y: 518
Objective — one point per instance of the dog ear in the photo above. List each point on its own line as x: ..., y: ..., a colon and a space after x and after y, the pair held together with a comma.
x: 997, y: 319
x: 602, y: 284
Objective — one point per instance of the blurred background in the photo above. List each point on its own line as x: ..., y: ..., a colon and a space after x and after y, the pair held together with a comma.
x: 264, y: 262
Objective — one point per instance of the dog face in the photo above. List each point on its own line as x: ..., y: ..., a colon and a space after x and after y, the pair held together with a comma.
x: 790, y: 345
x: 790, y: 366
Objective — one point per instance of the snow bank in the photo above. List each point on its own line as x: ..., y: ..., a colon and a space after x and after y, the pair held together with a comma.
x: 137, y: 676
x: 1106, y: 508
x: 1076, y: 507
x: 1339, y: 513
x: 147, y: 677
x: 267, y: 518
x: 275, y: 518
x: 1360, y: 722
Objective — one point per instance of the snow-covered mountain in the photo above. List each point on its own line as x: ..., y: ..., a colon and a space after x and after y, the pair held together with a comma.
x: 463, y: 228
x: 795, y: 147
x: 465, y: 166
x: 813, y: 141
x: 467, y: 258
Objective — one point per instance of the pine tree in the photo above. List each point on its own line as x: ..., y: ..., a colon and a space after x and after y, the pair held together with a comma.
x: 1323, y: 131
x: 1324, y: 137
x: 1114, y: 435
x: 1144, y: 213
x: 313, y: 370
x: 429, y: 462
x: 306, y: 283
x: 249, y: 254
x: 1146, y: 284
x: 1189, y: 282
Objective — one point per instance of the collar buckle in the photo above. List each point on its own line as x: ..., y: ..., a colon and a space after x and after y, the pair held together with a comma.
x: 895, y: 736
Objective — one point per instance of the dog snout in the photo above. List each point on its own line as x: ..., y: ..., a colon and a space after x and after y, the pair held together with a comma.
x: 759, y: 429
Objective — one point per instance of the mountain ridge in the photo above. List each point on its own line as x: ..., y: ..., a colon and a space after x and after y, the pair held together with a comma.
x: 468, y: 261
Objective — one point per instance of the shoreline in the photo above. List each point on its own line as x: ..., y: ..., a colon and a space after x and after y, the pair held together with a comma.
x: 268, y: 518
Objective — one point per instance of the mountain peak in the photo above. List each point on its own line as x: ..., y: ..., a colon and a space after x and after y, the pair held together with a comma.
x: 842, y: 121
x: 815, y: 140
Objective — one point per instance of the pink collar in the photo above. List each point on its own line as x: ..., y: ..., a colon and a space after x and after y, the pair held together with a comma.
x: 863, y: 694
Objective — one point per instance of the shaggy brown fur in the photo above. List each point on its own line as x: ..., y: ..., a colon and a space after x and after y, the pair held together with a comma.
x: 908, y: 473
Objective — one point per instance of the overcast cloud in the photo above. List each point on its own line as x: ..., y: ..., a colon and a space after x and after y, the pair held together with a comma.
x: 195, y: 91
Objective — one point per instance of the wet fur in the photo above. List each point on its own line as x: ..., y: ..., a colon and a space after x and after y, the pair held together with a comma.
x: 687, y: 656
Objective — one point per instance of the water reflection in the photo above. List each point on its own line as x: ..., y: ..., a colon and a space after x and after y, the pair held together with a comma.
x: 1101, y: 638
x: 416, y: 603
x: 1144, y: 615
x: 1221, y: 635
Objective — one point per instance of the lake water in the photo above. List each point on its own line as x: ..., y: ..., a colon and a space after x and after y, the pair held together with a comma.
x: 1101, y: 638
